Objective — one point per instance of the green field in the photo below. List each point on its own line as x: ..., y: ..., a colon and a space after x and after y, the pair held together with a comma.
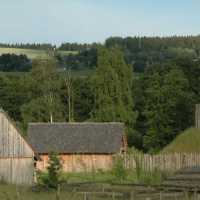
x: 31, y: 53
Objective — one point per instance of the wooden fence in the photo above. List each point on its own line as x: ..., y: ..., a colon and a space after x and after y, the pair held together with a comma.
x: 165, y: 162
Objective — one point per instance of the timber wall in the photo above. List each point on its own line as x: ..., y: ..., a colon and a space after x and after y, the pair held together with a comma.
x: 16, y: 156
x: 17, y: 170
x: 79, y: 162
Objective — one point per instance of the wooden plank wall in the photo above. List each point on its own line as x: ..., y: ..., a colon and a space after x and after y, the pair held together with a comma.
x: 16, y: 156
x: 197, y: 116
x: 11, y: 142
x: 79, y: 162
x: 17, y: 170
x: 165, y: 162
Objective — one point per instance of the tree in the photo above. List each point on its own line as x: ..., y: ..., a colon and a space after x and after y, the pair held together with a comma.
x: 44, y: 76
x: 44, y: 84
x: 54, y: 170
x: 14, y: 63
x: 168, y: 105
x: 69, y: 87
x: 113, y: 83
x: 13, y: 92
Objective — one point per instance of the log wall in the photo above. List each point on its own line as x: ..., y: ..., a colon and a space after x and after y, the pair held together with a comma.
x: 16, y: 156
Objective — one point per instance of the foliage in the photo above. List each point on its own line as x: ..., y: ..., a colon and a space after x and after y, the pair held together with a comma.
x: 53, y: 177
x: 154, y: 177
x: 141, y: 52
x: 14, y: 93
x: 112, y: 84
x: 45, y: 104
x: 169, y: 97
x: 28, y: 46
x: 156, y: 104
x: 54, y: 170
x: 12, y: 63
x: 118, y: 170
x: 83, y: 60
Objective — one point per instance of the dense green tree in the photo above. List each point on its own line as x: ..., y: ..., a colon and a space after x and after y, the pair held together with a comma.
x: 45, y: 104
x: 14, y: 63
x: 168, y: 105
x: 113, y: 84
x: 36, y: 111
x: 14, y: 94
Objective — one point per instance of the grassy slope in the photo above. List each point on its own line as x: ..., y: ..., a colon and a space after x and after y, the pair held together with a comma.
x: 31, y: 53
x: 188, y: 142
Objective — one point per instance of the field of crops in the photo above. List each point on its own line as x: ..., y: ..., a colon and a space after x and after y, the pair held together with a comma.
x: 31, y: 53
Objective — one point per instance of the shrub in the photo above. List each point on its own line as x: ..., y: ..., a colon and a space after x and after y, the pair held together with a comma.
x: 119, y: 170
x: 54, y: 170
x: 52, y: 178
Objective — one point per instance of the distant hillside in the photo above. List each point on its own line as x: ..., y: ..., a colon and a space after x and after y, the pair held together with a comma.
x: 188, y: 141
x: 31, y: 53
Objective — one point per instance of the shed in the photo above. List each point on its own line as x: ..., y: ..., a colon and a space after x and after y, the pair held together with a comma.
x: 81, y: 146
x: 16, y: 155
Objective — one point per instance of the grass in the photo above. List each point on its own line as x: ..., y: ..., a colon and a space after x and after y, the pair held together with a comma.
x: 98, y: 192
x: 186, y: 142
x: 31, y: 53
x: 151, y: 178
x: 11, y: 192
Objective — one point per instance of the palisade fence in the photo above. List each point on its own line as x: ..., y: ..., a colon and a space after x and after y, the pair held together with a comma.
x: 164, y: 162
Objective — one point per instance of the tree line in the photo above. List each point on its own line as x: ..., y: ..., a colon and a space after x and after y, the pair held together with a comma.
x: 36, y: 46
x: 139, y: 52
x: 156, y: 104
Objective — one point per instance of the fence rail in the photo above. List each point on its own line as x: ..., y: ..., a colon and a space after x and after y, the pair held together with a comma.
x: 166, y: 162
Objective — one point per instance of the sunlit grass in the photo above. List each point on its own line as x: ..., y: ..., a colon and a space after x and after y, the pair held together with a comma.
x: 186, y: 142
x: 31, y: 53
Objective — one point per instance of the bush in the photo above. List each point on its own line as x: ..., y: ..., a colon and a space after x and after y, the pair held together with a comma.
x: 119, y: 170
x: 52, y: 178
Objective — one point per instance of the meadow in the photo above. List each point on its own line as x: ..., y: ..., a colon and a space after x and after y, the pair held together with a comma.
x: 31, y: 53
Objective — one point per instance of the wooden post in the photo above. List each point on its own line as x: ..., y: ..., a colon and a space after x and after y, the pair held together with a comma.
x: 160, y: 195
x: 85, y: 196
x: 113, y: 196
x: 197, y: 116
x: 132, y: 195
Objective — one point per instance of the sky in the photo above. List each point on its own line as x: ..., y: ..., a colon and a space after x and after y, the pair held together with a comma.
x: 87, y: 21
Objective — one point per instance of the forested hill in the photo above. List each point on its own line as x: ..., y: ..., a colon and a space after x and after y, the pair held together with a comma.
x: 144, y: 51
x: 139, y: 52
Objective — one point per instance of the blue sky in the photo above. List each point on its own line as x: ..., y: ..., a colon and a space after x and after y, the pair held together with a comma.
x: 57, y: 21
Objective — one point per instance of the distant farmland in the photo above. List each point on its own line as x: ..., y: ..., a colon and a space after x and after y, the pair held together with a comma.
x: 31, y: 53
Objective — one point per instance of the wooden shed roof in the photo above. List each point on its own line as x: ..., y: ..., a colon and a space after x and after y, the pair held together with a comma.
x: 76, y: 137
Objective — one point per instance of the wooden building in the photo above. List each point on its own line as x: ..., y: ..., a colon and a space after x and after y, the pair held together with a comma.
x: 16, y: 155
x: 81, y: 146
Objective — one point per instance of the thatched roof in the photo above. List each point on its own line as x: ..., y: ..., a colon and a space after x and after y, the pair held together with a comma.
x: 76, y: 137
